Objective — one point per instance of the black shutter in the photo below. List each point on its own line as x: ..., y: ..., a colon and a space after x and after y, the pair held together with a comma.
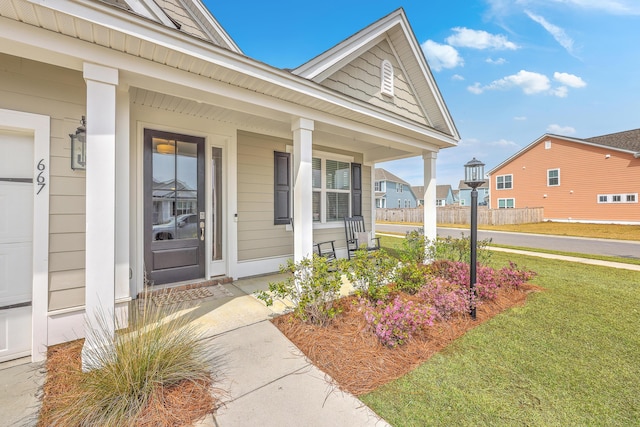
x: 281, y: 187
x: 356, y: 189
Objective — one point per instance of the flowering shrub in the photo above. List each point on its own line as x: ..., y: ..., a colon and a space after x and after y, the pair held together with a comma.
x: 446, y: 298
x: 395, y: 322
x: 512, y: 276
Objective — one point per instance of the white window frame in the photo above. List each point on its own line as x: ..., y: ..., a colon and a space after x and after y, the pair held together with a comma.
x: 377, y: 186
x: 549, y: 177
x: 623, y: 198
x: 399, y: 188
x: 506, y: 203
x: 504, y: 187
x: 324, y: 156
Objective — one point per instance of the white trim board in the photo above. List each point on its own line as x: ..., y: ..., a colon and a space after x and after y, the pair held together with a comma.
x: 40, y: 127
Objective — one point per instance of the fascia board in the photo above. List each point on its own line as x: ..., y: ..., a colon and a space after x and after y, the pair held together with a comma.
x: 212, y: 23
x: 150, y: 9
x: 141, y: 28
x: 565, y: 138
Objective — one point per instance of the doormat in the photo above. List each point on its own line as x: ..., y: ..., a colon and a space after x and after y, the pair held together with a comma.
x: 173, y: 296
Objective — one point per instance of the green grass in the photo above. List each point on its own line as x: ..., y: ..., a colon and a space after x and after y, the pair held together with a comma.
x: 569, y: 357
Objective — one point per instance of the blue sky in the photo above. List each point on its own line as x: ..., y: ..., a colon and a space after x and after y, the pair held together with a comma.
x: 509, y: 71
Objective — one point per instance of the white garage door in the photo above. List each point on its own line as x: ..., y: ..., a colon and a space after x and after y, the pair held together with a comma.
x: 16, y: 237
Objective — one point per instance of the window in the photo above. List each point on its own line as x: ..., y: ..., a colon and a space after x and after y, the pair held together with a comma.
x: 399, y: 188
x: 331, y: 189
x: 440, y: 202
x: 504, y: 182
x: 377, y: 186
x: 407, y: 203
x: 618, y: 198
x: 506, y: 203
x: 553, y: 177
x: 399, y: 203
x: 336, y: 183
x: 386, y: 84
x: 547, y: 145
x: 462, y: 202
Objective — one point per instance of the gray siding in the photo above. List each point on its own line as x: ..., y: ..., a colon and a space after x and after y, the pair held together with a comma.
x: 59, y: 93
x: 361, y: 79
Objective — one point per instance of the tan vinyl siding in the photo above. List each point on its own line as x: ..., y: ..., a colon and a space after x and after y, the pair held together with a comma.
x: 585, y: 172
x: 258, y: 237
x: 59, y: 93
x: 178, y: 13
x: 361, y: 79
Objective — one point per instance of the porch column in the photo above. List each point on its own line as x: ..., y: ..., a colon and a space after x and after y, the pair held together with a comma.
x: 123, y: 212
x: 302, y: 189
x: 100, y: 201
x: 429, y: 160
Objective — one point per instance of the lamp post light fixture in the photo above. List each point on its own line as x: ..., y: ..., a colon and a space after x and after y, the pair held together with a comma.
x: 473, y: 177
x: 79, y: 146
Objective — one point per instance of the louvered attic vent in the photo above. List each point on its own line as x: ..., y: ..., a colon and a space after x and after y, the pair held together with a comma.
x: 386, y: 87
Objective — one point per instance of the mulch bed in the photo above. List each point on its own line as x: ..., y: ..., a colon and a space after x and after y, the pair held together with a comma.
x: 180, y: 405
x: 359, y: 363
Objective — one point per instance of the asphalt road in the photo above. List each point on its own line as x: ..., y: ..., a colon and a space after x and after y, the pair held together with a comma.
x: 617, y: 248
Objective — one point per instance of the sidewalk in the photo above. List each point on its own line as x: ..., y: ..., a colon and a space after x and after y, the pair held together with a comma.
x: 267, y: 381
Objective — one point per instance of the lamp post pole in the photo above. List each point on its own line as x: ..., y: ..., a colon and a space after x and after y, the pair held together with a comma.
x: 473, y: 177
x: 473, y: 294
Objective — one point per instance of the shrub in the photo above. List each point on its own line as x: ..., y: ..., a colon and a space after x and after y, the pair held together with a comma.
x: 459, y: 249
x: 312, y: 287
x: 513, y: 277
x: 413, y: 247
x: 133, y: 368
x: 395, y: 322
x: 446, y: 298
x: 370, y: 273
x: 410, y: 277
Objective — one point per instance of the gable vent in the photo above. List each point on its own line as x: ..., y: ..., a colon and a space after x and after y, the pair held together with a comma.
x: 386, y: 87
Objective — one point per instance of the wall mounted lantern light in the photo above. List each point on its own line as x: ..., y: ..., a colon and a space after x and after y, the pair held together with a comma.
x: 79, y: 146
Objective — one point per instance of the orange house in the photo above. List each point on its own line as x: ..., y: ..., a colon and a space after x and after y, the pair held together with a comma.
x: 585, y: 180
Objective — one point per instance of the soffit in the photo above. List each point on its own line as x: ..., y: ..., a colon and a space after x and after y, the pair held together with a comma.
x: 141, y: 38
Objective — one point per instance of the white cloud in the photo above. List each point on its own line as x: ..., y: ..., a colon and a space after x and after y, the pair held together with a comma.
x: 478, y: 39
x: 503, y: 143
x: 615, y: 7
x: 560, y: 130
x: 558, y: 33
x: 520, y: 118
x: 498, y: 61
x: 530, y: 83
x: 441, y: 55
x: 457, y: 77
x: 569, y: 80
x: 560, y: 91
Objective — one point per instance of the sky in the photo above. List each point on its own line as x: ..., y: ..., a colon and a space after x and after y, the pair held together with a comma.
x: 509, y: 70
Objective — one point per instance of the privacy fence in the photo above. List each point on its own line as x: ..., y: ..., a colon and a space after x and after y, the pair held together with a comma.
x: 462, y: 215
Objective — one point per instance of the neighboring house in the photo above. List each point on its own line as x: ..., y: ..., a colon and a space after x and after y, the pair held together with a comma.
x: 418, y: 191
x: 464, y: 194
x: 444, y: 195
x: 265, y: 161
x: 590, y: 180
x: 392, y: 191
x: 456, y: 197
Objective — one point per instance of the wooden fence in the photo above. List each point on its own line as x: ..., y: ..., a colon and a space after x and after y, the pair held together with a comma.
x: 462, y: 215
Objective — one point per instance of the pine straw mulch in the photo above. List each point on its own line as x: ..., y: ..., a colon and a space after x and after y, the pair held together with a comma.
x: 180, y: 405
x: 359, y: 363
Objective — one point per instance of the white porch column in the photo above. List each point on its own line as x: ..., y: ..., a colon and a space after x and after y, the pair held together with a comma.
x: 122, y: 291
x: 100, y: 199
x: 302, y: 184
x: 429, y: 159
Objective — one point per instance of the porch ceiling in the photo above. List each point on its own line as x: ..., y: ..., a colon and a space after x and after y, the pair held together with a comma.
x: 379, y: 134
x: 374, y: 148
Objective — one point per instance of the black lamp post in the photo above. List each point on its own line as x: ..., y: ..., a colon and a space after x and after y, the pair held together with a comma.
x: 473, y: 177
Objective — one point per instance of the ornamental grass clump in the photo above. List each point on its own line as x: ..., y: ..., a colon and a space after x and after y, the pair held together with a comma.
x: 134, y: 368
x: 396, y: 321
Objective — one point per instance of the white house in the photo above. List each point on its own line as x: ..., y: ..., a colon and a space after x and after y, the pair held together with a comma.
x: 184, y: 134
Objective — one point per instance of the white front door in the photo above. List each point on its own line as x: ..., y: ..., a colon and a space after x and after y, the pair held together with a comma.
x: 16, y: 241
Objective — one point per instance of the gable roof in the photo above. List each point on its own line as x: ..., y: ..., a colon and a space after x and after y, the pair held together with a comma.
x: 626, y: 142
x: 442, y: 191
x: 395, y: 30
x: 418, y: 190
x: 385, y: 175
x: 187, y: 16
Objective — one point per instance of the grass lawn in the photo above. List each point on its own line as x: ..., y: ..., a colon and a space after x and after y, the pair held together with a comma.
x: 569, y: 357
x: 574, y: 229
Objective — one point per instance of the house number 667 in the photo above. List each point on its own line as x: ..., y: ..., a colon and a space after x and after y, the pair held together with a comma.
x: 40, y: 179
